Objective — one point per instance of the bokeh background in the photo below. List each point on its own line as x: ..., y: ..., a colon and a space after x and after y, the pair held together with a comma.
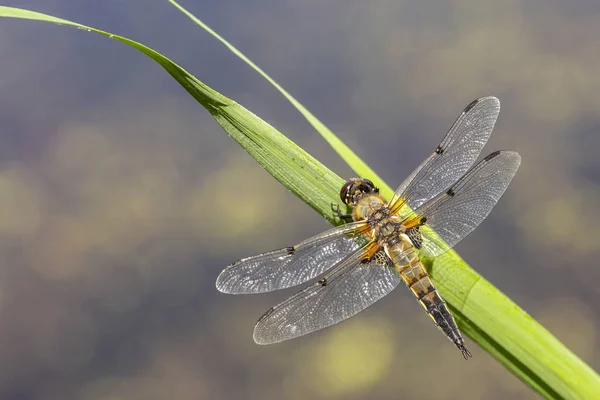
x: 121, y: 199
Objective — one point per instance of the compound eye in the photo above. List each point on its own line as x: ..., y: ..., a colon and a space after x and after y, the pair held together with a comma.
x: 369, y: 184
x: 345, y: 192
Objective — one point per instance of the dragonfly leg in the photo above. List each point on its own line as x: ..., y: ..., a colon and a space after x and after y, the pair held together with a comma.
x: 336, y: 209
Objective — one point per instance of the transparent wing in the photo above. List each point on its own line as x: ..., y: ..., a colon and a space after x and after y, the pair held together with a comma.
x: 291, y: 266
x: 349, y: 289
x: 453, y: 157
x: 454, y: 214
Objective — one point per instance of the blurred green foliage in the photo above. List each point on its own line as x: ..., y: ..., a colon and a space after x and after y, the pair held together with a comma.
x: 120, y: 197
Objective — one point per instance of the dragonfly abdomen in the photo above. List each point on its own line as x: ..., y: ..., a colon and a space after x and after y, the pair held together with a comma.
x: 415, y: 276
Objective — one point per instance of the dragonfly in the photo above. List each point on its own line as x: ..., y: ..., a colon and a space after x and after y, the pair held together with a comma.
x: 356, y: 264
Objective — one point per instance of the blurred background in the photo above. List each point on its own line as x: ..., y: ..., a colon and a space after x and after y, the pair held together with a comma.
x: 121, y: 199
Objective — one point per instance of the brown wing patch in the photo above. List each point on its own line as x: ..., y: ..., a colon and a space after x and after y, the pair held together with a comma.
x: 414, y: 221
x: 362, y: 230
x: 369, y: 251
x: 397, y: 205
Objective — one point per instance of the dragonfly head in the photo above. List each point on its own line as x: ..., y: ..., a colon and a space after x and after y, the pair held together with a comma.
x: 355, y: 189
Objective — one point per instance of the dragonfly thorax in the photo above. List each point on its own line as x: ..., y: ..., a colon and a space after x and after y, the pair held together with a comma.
x: 371, y: 208
x: 386, y: 228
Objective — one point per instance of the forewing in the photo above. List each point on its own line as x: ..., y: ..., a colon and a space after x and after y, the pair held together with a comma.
x: 453, y: 157
x: 291, y: 266
x: 454, y: 214
x: 351, y: 287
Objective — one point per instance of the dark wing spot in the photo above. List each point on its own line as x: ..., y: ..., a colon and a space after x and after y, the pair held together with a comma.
x: 450, y: 192
x: 471, y: 105
x: 269, y: 312
x: 323, y: 282
x: 492, y: 155
x: 439, y: 150
x: 290, y: 250
x: 423, y: 220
